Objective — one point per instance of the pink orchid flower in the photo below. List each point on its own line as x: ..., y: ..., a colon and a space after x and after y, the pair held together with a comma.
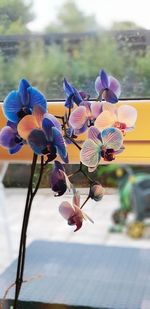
x: 122, y: 117
x: 72, y: 213
x: 84, y: 116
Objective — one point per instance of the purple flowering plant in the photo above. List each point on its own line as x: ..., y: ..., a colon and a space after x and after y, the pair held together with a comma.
x: 28, y: 122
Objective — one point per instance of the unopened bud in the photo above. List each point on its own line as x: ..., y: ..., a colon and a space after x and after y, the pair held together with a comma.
x: 96, y: 191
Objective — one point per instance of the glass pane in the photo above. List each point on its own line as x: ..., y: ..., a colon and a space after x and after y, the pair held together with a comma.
x: 49, y: 40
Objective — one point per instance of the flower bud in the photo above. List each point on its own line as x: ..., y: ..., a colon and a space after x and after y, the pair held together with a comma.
x: 96, y: 191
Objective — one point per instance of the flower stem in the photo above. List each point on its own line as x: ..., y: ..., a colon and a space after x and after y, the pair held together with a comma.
x: 22, y: 247
x: 73, y: 141
x: 85, y: 202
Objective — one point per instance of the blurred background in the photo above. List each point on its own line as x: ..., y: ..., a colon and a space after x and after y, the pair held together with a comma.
x: 44, y: 41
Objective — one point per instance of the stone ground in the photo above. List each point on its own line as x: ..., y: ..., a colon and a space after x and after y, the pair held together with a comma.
x: 47, y: 224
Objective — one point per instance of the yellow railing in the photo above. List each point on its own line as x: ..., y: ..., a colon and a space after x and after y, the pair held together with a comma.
x: 137, y: 142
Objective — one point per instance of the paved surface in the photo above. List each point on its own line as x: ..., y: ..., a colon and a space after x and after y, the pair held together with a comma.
x: 110, y: 252
x: 47, y: 224
x: 85, y: 275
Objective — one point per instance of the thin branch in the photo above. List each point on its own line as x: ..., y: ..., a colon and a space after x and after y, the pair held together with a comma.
x: 85, y: 202
x: 87, y: 176
x: 73, y: 141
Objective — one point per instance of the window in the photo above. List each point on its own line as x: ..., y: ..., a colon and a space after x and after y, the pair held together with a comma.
x: 74, y: 39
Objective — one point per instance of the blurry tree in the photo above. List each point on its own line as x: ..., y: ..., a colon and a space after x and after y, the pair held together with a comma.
x: 14, y: 16
x: 125, y: 25
x: 71, y: 19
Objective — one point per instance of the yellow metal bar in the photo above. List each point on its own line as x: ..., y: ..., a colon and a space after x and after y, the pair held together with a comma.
x: 137, y: 142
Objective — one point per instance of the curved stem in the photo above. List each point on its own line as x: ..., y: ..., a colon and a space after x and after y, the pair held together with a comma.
x: 22, y: 247
x: 28, y: 214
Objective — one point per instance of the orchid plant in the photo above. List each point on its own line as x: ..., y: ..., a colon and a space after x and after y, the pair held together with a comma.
x: 104, y: 123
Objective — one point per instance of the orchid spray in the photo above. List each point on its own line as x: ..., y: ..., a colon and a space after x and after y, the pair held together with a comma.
x: 104, y: 123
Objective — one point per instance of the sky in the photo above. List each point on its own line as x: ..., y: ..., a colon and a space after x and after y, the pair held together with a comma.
x: 105, y: 11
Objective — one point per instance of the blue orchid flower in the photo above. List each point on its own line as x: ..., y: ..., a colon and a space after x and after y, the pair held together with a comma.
x: 42, y: 131
x: 73, y: 96
x: 10, y: 139
x: 19, y: 103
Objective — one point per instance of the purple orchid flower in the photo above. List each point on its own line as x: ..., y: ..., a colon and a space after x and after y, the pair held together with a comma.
x: 42, y: 131
x: 10, y: 139
x: 107, y: 87
x: 58, y: 179
x: 19, y: 103
x: 73, y: 96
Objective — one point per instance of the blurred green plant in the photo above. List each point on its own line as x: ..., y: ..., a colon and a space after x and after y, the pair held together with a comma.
x: 14, y: 16
x: 46, y: 66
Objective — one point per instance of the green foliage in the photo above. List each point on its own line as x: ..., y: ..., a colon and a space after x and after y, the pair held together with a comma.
x: 14, y: 16
x: 46, y: 66
x: 125, y: 25
x: 71, y: 19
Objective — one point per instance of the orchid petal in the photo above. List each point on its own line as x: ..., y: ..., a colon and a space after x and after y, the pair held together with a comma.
x: 105, y: 120
x: 69, y: 102
x: 26, y: 125
x: 77, y: 219
x: 90, y: 153
x: 104, y: 79
x: 54, y: 121
x: 69, y: 132
x: 87, y: 105
x: 68, y: 183
x: 37, y: 141
x: 93, y: 133
x: 96, y: 109
x: 66, y: 210
x: 12, y: 105
x: 60, y: 144
x: 114, y: 86
x: 78, y: 117
x: 68, y: 89
x: 15, y: 149
x: 12, y: 125
x: 127, y: 114
x: 36, y: 98
x: 7, y: 137
x: 22, y: 89
x: 76, y: 97
x: 120, y: 150
x: 72, y: 94
x: 76, y: 199
x: 38, y: 112
x: 112, y: 138
x: 82, y: 130
x: 110, y: 96
x: 92, y: 169
x: 98, y: 85
x: 58, y: 180
x: 58, y: 183
x: 109, y: 107
x: 47, y: 127
x: 58, y: 165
